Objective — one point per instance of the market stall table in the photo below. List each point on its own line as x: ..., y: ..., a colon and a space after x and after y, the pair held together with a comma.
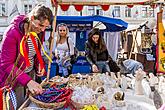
x: 133, y: 102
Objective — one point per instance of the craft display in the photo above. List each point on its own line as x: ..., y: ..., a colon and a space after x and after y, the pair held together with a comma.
x: 90, y: 81
x: 107, y: 80
x: 54, y: 96
x: 146, y: 42
x: 161, y: 85
x: 129, y: 82
x: 94, y: 82
x: 58, y: 80
x: 77, y: 80
x: 146, y: 87
x: 153, y: 80
x: 103, y: 100
x: 138, y: 82
x: 124, y: 83
x: 118, y: 99
x: 82, y: 96
x: 100, y: 90
x: 88, y: 92
x: 134, y: 107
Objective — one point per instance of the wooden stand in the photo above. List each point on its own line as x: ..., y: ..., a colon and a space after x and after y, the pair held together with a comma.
x: 134, y: 44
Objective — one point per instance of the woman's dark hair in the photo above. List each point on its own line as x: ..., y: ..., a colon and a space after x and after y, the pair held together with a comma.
x: 101, y: 43
x: 42, y: 13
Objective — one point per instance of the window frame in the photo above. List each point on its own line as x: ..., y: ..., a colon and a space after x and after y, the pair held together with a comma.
x: 1, y: 9
x: 117, y: 11
x: 28, y: 8
x: 128, y: 11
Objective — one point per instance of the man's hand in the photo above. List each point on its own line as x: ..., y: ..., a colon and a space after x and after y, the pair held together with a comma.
x: 34, y: 87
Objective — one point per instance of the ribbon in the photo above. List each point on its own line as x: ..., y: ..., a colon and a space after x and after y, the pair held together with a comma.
x: 37, y: 52
x: 23, y: 50
x: 53, y: 94
x: 4, y: 100
x: 90, y: 107
x: 13, y: 99
x: 24, y: 53
x: 8, y: 106
x: 1, y: 98
x: 35, y: 35
x: 7, y: 99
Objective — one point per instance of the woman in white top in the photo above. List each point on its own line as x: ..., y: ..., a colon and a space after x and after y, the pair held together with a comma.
x: 64, y: 48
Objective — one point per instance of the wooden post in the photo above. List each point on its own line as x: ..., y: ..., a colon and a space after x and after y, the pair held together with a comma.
x: 52, y: 40
x: 133, y: 44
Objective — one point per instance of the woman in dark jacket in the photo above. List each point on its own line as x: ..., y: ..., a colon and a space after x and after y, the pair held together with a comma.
x: 96, y: 52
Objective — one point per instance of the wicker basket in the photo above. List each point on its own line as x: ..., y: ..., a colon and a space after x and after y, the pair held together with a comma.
x: 79, y: 106
x: 34, y: 108
x: 47, y: 105
x: 52, y: 83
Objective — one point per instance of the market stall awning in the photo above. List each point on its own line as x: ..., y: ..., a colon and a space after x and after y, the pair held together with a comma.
x: 112, y: 24
x: 103, y: 2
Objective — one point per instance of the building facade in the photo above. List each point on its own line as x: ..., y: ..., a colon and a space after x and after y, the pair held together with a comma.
x: 11, y: 8
x: 133, y: 15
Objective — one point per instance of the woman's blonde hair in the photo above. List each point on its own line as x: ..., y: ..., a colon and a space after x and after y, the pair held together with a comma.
x: 57, y: 31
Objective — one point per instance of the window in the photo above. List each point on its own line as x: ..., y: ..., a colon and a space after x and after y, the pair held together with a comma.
x: 116, y: 11
x: 127, y: 12
x: 1, y: 37
x: 91, y: 10
x: 27, y: 8
x: 99, y: 11
x: 2, y: 9
x: 151, y: 12
x: 144, y: 12
x: 148, y: 12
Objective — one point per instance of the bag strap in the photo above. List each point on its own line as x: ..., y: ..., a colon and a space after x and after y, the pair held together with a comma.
x: 67, y: 41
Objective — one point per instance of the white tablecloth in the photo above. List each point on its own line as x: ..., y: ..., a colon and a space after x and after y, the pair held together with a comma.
x: 133, y: 102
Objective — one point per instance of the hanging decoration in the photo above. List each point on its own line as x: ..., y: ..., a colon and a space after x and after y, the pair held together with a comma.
x: 78, y: 7
x: 7, y: 99
x: 79, y: 4
x: 64, y: 7
x: 141, y: 3
x: 106, y: 2
x: 105, y: 7
x: 161, y: 45
x: 129, y: 6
